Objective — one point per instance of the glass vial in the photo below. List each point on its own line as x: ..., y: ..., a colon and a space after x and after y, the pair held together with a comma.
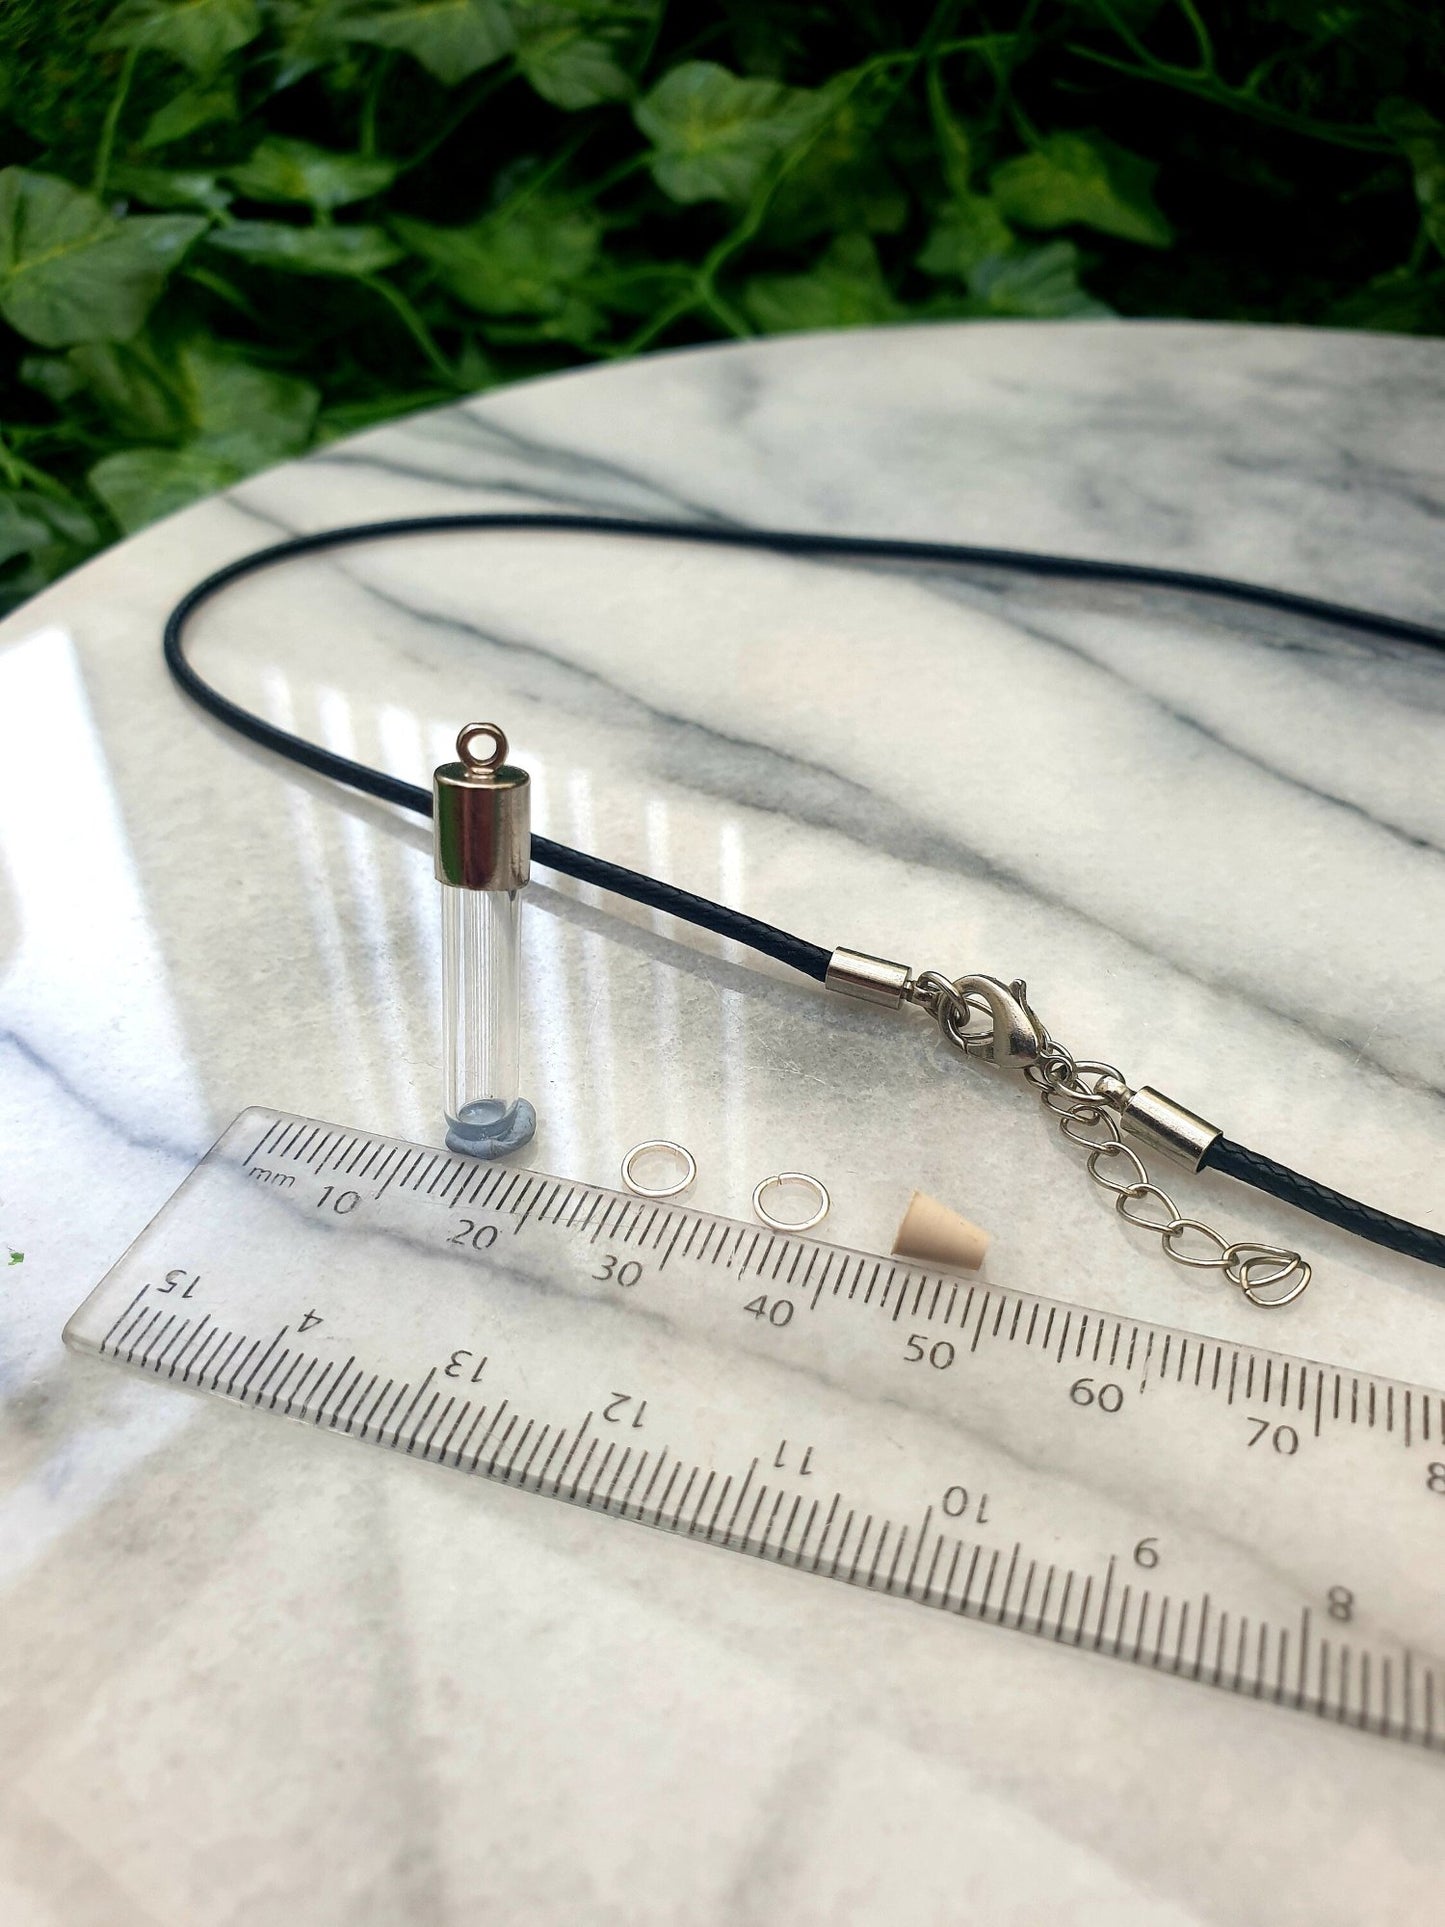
x: 482, y: 841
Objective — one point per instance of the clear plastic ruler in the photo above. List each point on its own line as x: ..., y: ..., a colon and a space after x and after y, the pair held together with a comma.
x: 1219, y: 1514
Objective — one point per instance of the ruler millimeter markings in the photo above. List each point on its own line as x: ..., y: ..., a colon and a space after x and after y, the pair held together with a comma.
x: 1234, y: 1517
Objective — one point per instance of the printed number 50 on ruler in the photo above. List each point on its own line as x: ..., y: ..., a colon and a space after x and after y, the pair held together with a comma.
x: 1233, y: 1517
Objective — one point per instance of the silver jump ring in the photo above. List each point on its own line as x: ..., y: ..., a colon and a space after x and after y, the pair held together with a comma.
x: 1094, y: 1105
x: 1274, y: 1265
x: 956, y: 1018
x: 660, y: 1144
x: 1076, y: 1126
x: 815, y: 1185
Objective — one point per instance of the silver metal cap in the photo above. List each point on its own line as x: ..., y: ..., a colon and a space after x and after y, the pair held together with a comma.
x: 1165, y: 1125
x: 482, y: 816
x: 877, y: 980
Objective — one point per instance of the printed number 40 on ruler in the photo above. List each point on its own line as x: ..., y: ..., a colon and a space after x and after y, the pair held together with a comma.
x: 1234, y: 1517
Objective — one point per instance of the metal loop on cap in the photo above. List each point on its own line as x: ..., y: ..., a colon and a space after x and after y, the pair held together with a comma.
x: 481, y: 815
x: 494, y: 733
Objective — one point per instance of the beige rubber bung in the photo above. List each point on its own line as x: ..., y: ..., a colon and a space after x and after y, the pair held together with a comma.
x: 933, y: 1234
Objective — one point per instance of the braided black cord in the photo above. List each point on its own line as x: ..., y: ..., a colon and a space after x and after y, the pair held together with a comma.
x: 1252, y: 1167
x: 809, y: 958
x: 1249, y: 1167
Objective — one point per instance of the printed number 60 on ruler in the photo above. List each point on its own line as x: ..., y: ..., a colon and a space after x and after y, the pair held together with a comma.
x: 1232, y: 1517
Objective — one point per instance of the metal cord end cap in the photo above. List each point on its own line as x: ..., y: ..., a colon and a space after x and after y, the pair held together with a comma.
x: 482, y: 816
x: 1163, y: 1124
x: 876, y: 980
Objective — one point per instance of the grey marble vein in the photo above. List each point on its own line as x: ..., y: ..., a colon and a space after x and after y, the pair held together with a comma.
x: 245, y: 1677
x: 684, y: 750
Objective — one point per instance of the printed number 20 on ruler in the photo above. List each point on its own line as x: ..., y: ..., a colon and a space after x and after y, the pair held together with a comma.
x: 1232, y: 1517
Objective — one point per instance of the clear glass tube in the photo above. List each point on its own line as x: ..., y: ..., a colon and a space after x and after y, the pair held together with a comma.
x: 481, y: 1020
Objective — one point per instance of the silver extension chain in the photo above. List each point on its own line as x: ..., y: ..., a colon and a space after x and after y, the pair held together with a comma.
x: 986, y: 1019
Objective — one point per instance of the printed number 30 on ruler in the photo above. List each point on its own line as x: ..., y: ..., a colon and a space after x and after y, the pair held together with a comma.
x: 1229, y: 1516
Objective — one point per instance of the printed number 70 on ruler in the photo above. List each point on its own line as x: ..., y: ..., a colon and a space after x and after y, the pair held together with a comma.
x: 1236, y: 1517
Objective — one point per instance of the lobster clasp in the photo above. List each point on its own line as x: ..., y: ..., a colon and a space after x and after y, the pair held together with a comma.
x: 1018, y: 1037
x: 1009, y: 1035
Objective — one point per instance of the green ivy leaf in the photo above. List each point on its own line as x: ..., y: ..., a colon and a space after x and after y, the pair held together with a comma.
x: 140, y: 485
x: 288, y: 170
x: 229, y: 416
x: 173, y: 187
x: 197, y: 33
x: 713, y: 135
x: 578, y: 322
x: 969, y: 230
x: 53, y: 534
x: 840, y: 184
x: 311, y: 35
x: 70, y: 271
x: 1084, y: 180
x: 135, y: 385
x: 451, y: 38
x: 21, y: 533
x: 185, y: 112
x: 845, y: 290
x: 1421, y: 139
x: 1396, y: 302
x: 51, y: 376
x: 527, y: 262
x: 309, y: 250
x: 572, y: 54
x: 1034, y: 284
x: 640, y: 288
x: 254, y: 412
x: 198, y: 391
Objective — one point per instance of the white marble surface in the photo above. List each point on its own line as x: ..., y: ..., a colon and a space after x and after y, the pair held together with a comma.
x: 247, y: 1677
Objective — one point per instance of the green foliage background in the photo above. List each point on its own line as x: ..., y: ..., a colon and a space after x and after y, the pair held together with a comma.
x: 230, y: 228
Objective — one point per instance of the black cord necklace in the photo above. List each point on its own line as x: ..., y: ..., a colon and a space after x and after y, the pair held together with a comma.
x: 983, y: 1016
